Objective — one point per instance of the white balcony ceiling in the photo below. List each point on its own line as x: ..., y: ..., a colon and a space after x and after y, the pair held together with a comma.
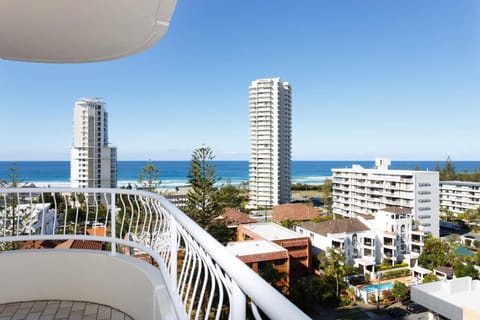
x: 66, y: 31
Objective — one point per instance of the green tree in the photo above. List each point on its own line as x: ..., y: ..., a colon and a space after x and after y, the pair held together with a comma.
x: 272, y: 275
x: 333, y: 264
x: 148, y: 177
x: 305, y: 292
x: 430, y: 278
x: 436, y: 253
x: 287, y: 223
x: 14, y: 180
x: 465, y: 269
x: 400, y: 291
x: 326, y: 194
x: 228, y: 196
x: 202, y: 178
x: 448, y: 171
x: 16, y: 220
x: 221, y: 232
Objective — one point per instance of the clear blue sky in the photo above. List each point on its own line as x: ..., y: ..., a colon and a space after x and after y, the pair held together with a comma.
x: 370, y: 78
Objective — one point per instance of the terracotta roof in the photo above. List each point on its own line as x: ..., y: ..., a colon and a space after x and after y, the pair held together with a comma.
x: 397, y: 210
x: 97, y: 231
x: 294, y: 212
x: 335, y: 226
x: 80, y: 244
x: 232, y: 216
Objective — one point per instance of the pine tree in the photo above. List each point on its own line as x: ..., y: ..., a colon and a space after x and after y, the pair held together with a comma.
x: 448, y: 172
x: 148, y: 176
x: 202, y: 178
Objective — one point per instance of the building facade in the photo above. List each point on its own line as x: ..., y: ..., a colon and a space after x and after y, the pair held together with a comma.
x: 270, y: 142
x: 298, y: 246
x: 459, y: 196
x: 93, y: 163
x: 358, y: 191
x: 367, y: 242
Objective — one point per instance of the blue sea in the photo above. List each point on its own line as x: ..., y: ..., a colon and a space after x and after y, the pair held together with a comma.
x: 174, y: 173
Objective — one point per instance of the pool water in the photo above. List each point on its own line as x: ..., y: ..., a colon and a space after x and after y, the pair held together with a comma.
x: 374, y: 287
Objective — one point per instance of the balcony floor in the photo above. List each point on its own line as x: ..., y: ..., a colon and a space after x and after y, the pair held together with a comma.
x: 59, y: 309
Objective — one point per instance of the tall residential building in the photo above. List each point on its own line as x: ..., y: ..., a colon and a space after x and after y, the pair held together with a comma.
x: 359, y: 191
x: 270, y: 142
x: 93, y: 163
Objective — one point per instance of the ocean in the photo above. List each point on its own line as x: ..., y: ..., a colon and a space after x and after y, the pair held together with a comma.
x: 174, y: 173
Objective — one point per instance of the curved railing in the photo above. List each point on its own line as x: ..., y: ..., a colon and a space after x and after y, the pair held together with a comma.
x: 204, y: 280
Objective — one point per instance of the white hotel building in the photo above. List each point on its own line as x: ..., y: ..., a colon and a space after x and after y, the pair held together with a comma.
x: 270, y: 142
x: 358, y: 191
x: 93, y: 163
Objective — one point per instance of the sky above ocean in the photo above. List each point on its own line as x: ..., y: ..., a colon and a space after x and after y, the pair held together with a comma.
x: 375, y: 78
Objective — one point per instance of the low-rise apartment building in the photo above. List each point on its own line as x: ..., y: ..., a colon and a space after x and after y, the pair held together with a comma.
x: 361, y: 191
x: 258, y: 253
x: 368, y: 241
x: 297, y: 245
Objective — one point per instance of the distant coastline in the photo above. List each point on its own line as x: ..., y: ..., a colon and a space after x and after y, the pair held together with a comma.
x: 174, y: 173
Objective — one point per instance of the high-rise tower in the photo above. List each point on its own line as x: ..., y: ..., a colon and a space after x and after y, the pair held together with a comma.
x: 93, y: 163
x: 270, y: 142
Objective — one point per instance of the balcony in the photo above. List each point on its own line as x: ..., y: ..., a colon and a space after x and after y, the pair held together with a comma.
x: 155, y: 262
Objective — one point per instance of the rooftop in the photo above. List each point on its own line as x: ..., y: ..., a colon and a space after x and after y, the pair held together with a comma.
x: 232, y: 216
x: 443, y: 296
x: 397, y: 210
x: 271, y: 231
x: 335, y: 226
x: 461, y: 183
x: 243, y: 248
x: 294, y: 212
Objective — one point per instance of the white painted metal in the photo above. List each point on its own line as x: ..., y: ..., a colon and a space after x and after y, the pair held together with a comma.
x: 80, y: 30
x: 203, y: 278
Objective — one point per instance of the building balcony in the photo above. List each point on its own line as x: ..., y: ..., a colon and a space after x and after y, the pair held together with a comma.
x: 150, y: 261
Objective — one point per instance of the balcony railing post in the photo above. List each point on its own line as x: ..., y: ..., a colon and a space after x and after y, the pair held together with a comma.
x: 114, y: 225
x: 173, y: 252
x: 238, y: 304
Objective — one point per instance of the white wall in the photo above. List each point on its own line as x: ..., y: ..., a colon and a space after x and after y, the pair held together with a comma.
x: 125, y: 283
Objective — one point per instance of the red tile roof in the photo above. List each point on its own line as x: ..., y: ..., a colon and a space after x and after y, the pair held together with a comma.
x: 294, y: 212
x: 80, y: 244
x: 233, y: 217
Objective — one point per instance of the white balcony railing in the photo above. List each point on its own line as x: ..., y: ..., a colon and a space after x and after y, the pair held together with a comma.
x: 203, y: 279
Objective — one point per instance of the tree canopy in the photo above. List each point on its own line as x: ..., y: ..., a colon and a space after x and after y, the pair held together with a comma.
x: 148, y: 176
x: 202, y: 178
x: 430, y: 278
x: 436, y: 253
x: 400, y: 291
x: 465, y: 269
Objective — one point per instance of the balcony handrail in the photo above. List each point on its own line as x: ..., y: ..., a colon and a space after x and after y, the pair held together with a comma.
x: 196, y: 250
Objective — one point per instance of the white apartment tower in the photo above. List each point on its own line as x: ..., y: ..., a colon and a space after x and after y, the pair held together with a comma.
x: 270, y: 142
x: 358, y: 191
x: 93, y: 163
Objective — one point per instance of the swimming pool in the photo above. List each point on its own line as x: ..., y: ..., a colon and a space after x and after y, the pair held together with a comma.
x: 374, y: 287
